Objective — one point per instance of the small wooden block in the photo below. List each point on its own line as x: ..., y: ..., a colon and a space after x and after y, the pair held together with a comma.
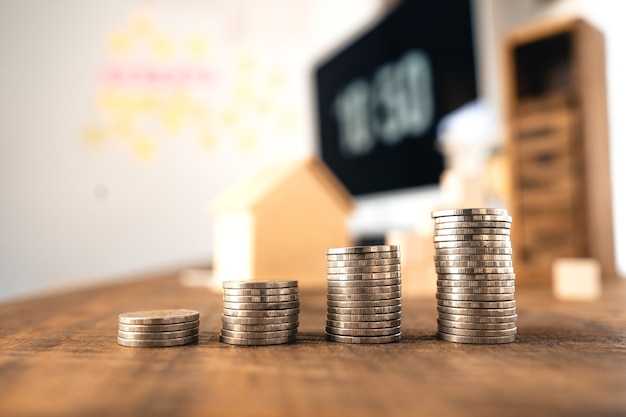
x: 416, y: 257
x: 576, y: 279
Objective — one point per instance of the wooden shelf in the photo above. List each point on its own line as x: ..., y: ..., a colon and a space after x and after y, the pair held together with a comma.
x: 558, y: 147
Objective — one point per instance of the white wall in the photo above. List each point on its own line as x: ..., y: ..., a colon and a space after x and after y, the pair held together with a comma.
x: 91, y: 191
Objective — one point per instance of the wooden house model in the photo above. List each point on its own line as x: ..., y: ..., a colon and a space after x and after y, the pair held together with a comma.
x: 279, y: 223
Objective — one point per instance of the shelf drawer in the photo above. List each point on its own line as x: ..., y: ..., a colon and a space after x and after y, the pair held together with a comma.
x: 565, y: 194
x: 553, y: 233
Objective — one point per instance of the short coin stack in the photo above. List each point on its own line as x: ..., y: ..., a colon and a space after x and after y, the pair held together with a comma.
x: 364, y: 294
x: 158, y: 328
x: 258, y: 313
x: 475, y: 276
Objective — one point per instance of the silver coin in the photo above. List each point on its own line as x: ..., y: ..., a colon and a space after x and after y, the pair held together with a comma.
x: 257, y: 342
x: 473, y: 231
x: 259, y: 284
x: 259, y: 335
x: 177, y: 334
x: 260, y: 327
x: 357, y: 311
x: 475, y: 340
x: 473, y: 244
x: 261, y: 291
x: 377, y: 276
x: 475, y: 297
x: 260, y: 298
x: 362, y: 249
x: 364, y: 290
x: 262, y: 306
x: 471, y: 237
x: 479, y: 270
x: 260, y: 320
x: 476, y: 251
x: 476, y: 277
x: 157, y: 343
x: 363, y: 317
x: 388, y: 331
x: 364, y: 283
x: 476, y: 290
x: 365, y: 262
x: 363, y: 324
x: 470, y: 212
x: 364, y: 297
x: 474, y: 218
x: 170, y: 316
x: 364, y: 304
x: 477, y: 326
x: 465, y: 258
x: 476, y: 333
x: 362, y: 269
x: 463, y: 318
x: 477, y: 311
x: 476, y: 304
x: 362, y: 256
x: 158, y: 327
x: 474, y: 284
x: 235, y: 312
x: 473, y: 264
x: 468, y: 225
x: 364, y: 340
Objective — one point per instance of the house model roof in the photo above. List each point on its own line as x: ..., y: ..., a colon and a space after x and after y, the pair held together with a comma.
x: 249, y: 193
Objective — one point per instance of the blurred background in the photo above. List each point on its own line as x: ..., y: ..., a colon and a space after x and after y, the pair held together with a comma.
x: 122, y: 121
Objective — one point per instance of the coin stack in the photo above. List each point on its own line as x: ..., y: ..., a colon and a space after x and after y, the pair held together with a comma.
x: 364, y: 294
x: 475, y: 276
x: 158, y: 328
x: 258, y: 313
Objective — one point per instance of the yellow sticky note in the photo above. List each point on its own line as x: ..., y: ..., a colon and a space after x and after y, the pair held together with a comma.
x: 93, y: 135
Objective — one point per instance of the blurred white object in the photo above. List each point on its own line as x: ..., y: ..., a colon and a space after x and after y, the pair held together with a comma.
x: 192, y: 277
x: 467, y: 137
x: 576, y: 279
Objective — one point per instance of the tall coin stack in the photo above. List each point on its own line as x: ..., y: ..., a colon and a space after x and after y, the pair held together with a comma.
x: 258, y: 313
x: 475, y: 276
x: 364, y: 294
x: 158, y: 328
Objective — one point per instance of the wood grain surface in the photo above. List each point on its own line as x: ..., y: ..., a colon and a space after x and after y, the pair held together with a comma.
x: 59, y: 357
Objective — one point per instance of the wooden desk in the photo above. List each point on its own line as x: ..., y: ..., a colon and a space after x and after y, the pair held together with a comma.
x: 59, y: 357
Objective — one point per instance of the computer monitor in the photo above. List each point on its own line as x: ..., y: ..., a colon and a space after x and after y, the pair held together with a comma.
x: 380, y: 99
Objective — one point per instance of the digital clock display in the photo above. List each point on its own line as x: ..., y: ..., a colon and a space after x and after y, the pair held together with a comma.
x: 380, y: 99
x: 397, y: 103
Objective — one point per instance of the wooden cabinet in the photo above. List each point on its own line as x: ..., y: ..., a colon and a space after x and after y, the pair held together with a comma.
x: 555, y: 101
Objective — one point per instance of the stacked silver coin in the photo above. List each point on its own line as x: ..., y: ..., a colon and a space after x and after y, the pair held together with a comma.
x: 258, y: 313
x: 364, y: 302
x: 475, y: 276
x: 158, y: 328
